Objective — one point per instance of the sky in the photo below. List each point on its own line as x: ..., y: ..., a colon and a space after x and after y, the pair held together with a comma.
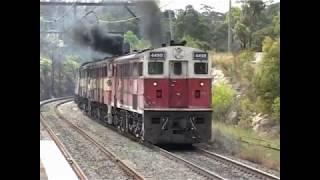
x: 219, y: 5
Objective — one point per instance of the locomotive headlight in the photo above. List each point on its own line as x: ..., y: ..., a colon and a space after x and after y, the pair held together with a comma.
x: 155, y: 83
x: 201, y: 84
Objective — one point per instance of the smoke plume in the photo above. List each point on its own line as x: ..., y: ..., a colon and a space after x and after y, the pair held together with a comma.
x: 150, y: 26
x: 97, y: 39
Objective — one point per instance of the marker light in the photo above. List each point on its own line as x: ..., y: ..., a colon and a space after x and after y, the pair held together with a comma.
x: 155, y: 83
x: 201, y: 84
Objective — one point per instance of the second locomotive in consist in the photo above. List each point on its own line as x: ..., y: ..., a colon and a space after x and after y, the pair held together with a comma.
x: 160, y: 95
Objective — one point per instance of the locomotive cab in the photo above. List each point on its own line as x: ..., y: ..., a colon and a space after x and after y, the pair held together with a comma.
x: 177, y: 94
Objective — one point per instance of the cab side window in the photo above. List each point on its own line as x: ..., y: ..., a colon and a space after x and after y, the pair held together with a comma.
x: 155, y: 68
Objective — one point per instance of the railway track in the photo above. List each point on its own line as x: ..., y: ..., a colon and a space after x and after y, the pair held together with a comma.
x: 76, y: 168
x: 234, y: 170
x: 224, y: 167
x: 251, y: 173
x: 191, y: 165
x: 131, y: 172
x: 243, y: 167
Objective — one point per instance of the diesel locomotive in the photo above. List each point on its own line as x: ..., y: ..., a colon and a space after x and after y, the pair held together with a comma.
x: 162, y: 95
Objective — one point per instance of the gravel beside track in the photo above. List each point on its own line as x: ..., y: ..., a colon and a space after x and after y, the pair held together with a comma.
x: 92, y: 161
x: 44, y: 135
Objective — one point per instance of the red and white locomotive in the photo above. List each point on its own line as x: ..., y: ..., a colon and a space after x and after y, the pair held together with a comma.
x: 160, y: 95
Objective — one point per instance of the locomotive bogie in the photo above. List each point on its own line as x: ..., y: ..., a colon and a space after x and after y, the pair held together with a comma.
x: 177, y: 127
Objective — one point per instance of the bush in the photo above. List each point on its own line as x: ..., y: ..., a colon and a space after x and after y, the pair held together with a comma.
x: 266, y: 80
x: 245, y: 57
x: 222, y: 99
x: 262, y: 105
x: 246, y: 109
x: 224, y: 61
x: 276, y: 109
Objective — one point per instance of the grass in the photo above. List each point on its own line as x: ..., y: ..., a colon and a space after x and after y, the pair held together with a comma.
x: 257, y: 154
x: 247, y: 135
x: 224, y: 60
x: 253, y: 150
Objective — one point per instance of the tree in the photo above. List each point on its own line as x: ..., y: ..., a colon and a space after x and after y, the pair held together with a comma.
x: 71, y: 65
x: 190, y: 22
x: 45, y: 70
x: 195, y: 43
x: 271, y: 30
x: 235, y: 16
x: 135, y: 42
x: 242, y: 33
x: 248, y: 22
x: 267, y: 78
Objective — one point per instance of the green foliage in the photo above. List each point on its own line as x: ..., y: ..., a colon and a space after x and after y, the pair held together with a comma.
x: 135, y: 42
x: 245, y: 64
x: 267, y: 78
x: 64, y: 77
x: 207, y: 28
x: 45, y: 64
x: 71, y: 64
x: 242, y: 32
x: 252, y: 23
x: 261, y: 105
x: 190, y: 22
x: 276, y: 109
x: 246, y: 108
x: 222, y: 99
x: 276, y: 25
x: 235, y: 16
x: 195, y: 43
x: 246, y: 56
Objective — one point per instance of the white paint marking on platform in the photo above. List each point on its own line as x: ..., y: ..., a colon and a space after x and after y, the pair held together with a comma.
x: 55, y: 164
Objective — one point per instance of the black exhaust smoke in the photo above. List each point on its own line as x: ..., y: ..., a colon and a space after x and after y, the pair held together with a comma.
x: 98, y: 40
x: 150, y: 21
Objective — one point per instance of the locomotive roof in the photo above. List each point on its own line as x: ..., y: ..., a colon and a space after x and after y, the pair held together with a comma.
x: 134, y: 55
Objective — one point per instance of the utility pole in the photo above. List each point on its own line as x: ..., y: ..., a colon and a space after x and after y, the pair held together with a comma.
x: 229, y: 28
x: 52, y: 74
x: 170, y: 26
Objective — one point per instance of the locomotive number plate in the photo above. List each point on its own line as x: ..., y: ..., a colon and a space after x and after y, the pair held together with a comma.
x: 200, y: 56
x: 157, y: 55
